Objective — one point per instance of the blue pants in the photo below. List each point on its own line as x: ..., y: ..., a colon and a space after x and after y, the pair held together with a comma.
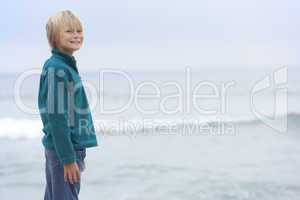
x: 56, y: 187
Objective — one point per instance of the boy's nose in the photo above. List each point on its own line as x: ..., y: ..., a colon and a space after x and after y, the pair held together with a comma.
x: 76, y: 34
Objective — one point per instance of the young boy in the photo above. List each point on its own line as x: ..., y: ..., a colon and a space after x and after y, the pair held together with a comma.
x: 67, y: 122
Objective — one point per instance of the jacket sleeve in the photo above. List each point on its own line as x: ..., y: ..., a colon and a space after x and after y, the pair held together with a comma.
x: 57, y: 108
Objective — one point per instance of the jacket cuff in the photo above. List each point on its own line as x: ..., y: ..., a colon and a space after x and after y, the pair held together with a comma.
x: 68, y: 160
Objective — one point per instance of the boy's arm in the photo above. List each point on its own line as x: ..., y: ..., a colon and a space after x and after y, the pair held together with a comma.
x: 57, y: 114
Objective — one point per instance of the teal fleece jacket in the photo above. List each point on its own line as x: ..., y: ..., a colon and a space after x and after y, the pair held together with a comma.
x: 64, y: 108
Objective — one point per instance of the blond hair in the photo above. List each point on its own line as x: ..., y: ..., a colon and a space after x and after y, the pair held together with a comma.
x: 57, y: 22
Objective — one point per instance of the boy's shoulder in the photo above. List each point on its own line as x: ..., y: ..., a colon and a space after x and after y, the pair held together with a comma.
x: 54, y: 65
x: 54, y: 62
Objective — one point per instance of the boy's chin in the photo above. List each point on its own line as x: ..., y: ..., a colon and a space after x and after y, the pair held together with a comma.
x: 76, y: 48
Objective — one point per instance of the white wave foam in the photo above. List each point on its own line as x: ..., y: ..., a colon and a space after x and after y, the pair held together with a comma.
x: 20, y: 128
x: 12, y: 128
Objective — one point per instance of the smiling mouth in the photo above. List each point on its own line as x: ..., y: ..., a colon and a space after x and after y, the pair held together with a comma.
x: 75, y: 42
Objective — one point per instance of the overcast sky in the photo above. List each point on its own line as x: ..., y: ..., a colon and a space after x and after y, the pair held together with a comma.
x: 142, y: 34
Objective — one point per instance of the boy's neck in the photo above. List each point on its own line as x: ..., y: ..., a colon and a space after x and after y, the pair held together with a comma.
x: 70, y: 53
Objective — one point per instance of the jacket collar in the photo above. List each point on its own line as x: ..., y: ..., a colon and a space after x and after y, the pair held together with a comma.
x: 68, y: 59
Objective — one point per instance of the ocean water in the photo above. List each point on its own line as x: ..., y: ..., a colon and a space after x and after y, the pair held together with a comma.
x: 165, y: 148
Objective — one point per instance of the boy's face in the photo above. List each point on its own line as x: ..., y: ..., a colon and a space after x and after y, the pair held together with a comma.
x: 70, y: 40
